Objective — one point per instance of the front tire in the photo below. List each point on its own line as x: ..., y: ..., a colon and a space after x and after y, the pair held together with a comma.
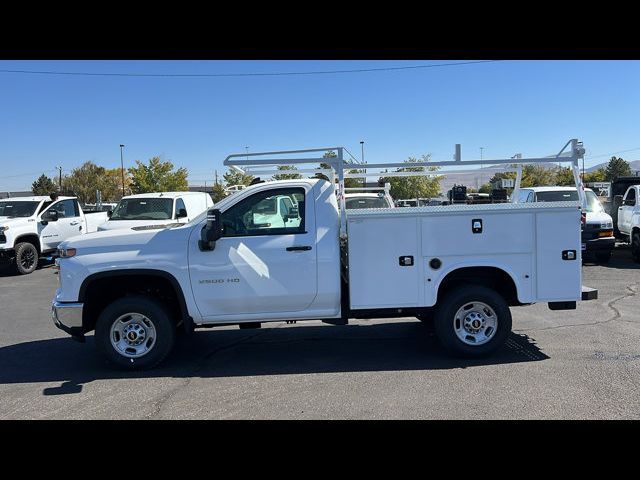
x: 472, y: 321
x: 26, y: 258
x: 635, y: 246
x: 135, y: 333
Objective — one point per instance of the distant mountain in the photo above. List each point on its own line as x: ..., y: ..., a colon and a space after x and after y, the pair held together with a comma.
x: 635, y: 165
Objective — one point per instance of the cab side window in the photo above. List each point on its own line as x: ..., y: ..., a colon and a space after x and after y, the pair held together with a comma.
x: 630, y: 199
x: 179, y: 205
x: 67, y: 209
x: 522, y: 196
x: 270, y: 212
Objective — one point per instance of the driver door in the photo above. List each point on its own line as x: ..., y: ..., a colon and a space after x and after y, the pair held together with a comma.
x: 265, y: 261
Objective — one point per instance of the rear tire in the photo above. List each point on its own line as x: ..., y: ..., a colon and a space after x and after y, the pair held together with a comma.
x: 635, y: 246
x: 472, y: 321
x: 135, y: 333
x: 603, y: 257
x: 26, y: 258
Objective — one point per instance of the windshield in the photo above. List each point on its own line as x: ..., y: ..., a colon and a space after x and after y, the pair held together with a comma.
x: 593, y: 204
x: 366, y: 202
x: 18, y: 209
x: 143, y: 209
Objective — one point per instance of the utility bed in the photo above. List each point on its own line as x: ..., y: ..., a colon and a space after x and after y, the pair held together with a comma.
x: 399, y: 257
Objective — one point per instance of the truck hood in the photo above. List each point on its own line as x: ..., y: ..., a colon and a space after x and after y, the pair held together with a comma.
x: 597, y: 218
x: 8, y: 221
x: 122, y: 224
x: 126, y: 240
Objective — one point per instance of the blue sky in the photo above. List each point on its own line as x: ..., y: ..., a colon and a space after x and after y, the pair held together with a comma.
x: 508, y: 107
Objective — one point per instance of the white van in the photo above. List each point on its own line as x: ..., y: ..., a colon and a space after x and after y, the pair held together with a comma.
x: 148, y: 209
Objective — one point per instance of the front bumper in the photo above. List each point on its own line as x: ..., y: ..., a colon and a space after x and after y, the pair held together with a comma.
x: 599, y: 244
x: 68, y: 317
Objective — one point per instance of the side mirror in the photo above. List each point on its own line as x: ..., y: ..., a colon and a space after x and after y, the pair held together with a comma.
x: 49, y: 216
x: 181, y: 213
x: 211, y: 232
x: 617, y: 200
x: 109, y: 213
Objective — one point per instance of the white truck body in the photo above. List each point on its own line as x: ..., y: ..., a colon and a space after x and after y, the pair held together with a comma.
x: 629, y: 219
x: 22, y: 220
x: 229, y: 268
x: 162, y: 208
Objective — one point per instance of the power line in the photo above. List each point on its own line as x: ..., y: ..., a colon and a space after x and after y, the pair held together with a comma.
x: 614, y: 153
x: 273, y: 74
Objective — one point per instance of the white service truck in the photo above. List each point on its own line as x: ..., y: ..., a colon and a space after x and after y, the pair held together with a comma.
x: 33, y: 226
x: 459, y: 266
x: 629, y: 220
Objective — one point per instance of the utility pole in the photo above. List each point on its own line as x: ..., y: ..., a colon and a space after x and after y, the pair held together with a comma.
x: 216, y: 176
x: 60, y: 178
x: 122, y: 168
x: 247, y: 149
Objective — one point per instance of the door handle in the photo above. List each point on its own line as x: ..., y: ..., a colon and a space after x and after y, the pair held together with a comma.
x: 74, y: 223
x: 298, y: 249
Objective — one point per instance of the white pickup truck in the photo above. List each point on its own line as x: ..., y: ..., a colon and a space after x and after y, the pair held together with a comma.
x: 460, y: 266
x: 33, y: 226
x: 629, y: 219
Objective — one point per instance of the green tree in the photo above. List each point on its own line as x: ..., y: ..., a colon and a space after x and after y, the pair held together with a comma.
x: 111, y: 185
x: 536, y: 176
x: 598, y: 175
x: 157, y: 176
x: 43, y: 186
x: 286, y: 176
x: 617, y: 167
x: 84, y: 181
x: 485, y: 188
x: 218, y: 192
x: 564, y: 176
x: 233, y: 177
x: 414, y: 186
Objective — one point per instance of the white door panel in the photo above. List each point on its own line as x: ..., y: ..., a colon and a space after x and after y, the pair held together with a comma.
x: 253, y: 275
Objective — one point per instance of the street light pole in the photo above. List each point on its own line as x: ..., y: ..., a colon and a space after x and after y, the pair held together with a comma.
x: 364, y: 180
x: 60, y: 179
x: 122, y: 168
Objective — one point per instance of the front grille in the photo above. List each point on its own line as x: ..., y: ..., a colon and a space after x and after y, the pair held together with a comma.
x: 3, y: 238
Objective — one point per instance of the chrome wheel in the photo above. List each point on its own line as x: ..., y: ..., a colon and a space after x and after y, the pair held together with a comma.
x: 133, y: 335
x: 475, y: 323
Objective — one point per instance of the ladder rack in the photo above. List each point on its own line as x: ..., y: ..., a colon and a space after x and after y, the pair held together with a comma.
x: 246, y: 162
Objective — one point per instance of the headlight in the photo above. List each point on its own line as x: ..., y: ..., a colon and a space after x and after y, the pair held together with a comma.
x: 66, y: 252
x: 3, y: 229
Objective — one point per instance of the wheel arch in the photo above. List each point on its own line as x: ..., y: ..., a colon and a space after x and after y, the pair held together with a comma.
x: 499, y: 279
x: 32, y: 238
x: 100, y: 289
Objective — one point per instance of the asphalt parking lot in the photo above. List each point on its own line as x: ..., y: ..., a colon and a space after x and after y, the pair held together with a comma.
x: 581, y: 364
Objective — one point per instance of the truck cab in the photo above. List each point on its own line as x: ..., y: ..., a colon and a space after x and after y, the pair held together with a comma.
x: 33, y: 226
x: 156, y: 209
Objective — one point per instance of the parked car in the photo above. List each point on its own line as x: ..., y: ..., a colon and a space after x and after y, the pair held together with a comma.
x: 35, y: 226
x: 157, y: 209
x: 597, y: 229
